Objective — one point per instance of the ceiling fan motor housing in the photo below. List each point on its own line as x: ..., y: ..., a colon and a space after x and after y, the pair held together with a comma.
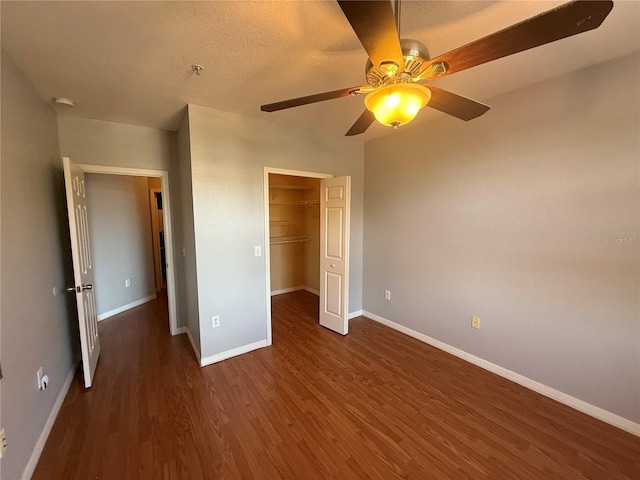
x: 414, y: 54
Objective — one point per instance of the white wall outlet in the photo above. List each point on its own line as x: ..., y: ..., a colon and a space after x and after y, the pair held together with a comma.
x: 257, y: 251
x: 475, y: 322
x: 3, y: 442
x: 387, y: 294
x: 215, y: 321
x: 40, y: 375
x: 127, y: 283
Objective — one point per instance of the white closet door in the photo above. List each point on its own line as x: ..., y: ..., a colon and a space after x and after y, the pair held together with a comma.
x: 335, y: 201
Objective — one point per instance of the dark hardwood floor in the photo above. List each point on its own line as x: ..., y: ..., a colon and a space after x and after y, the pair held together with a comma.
x: 372, y: 405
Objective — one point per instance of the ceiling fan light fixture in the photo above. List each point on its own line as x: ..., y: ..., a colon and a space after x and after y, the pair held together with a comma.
x: 396, y: 104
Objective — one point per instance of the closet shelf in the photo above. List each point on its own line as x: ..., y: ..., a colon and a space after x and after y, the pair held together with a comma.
x: 301, y: 203
x: 290, y: 187
x: 289, y: 239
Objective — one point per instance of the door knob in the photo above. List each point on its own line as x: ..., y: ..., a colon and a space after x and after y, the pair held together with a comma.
x: 79, y: 289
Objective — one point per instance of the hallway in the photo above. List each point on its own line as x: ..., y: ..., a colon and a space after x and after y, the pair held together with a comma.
x: 316, y: 405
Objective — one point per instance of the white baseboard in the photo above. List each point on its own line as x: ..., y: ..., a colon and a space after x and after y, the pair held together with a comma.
x: 179, y: 331
x: 580, y: 405
x: 311, y: 290
x: 355, y: 314
x: 126, y: 307
x: 294, y: 289
x: 232, y: 353
x: 286, y: 290
x: 27, y: 473
x: 193, y: 344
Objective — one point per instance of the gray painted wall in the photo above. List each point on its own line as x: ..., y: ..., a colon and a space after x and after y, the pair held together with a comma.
x: 185, y: 238
x: 38, y: 328
x: 97, y: 142
x: 519, y: 217
x: 228, y: 156
x: 121, y: 244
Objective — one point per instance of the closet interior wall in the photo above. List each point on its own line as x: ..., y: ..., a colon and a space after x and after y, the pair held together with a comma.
x: 294, y: 231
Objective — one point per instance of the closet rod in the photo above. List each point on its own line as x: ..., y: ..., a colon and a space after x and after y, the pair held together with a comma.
x: 292, y: 239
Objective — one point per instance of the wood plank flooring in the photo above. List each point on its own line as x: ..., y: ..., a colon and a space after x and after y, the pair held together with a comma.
x: 375, y: 404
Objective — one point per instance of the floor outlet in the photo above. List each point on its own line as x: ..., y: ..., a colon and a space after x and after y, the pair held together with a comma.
x: 215, y: 321
x: 475, y: 322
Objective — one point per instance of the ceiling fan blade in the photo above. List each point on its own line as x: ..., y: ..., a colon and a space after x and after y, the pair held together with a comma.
x: 363, y: 122
x: 460, y: 107
x: 318, y: 97
x: 561, y: 22
x: 375, y: 26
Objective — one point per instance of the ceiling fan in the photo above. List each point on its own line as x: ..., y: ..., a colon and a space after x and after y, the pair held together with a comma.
x: 397, y: 68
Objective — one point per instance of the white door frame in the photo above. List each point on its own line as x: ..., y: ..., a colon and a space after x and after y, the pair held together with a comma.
x: 267, y: 245
x: 168, y: 233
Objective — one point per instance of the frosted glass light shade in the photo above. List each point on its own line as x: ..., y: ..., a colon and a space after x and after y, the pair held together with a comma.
x: 397, y: 103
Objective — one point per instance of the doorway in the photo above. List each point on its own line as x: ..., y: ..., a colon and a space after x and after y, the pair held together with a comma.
x: 157, y: 234
x: 157, y: 202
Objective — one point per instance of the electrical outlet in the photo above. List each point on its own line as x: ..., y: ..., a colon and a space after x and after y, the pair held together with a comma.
x: 387, y: 294
x: 475, y: 322
x: 43, y: 380
x: 215, y: 321
x: 127, y: 283
x: 3, y: 443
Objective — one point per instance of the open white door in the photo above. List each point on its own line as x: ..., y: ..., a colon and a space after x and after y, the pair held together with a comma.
x: 335, y: 201
x: 82, y: 268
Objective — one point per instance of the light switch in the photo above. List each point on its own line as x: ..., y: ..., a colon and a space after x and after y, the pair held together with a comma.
x: 257, y: 250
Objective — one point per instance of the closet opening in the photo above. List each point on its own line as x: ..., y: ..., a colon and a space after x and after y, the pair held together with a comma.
x: 294, y: 234
x: 307, y: 244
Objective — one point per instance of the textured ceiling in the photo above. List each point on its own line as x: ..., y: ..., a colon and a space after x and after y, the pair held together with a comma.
x: 130, y: 62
